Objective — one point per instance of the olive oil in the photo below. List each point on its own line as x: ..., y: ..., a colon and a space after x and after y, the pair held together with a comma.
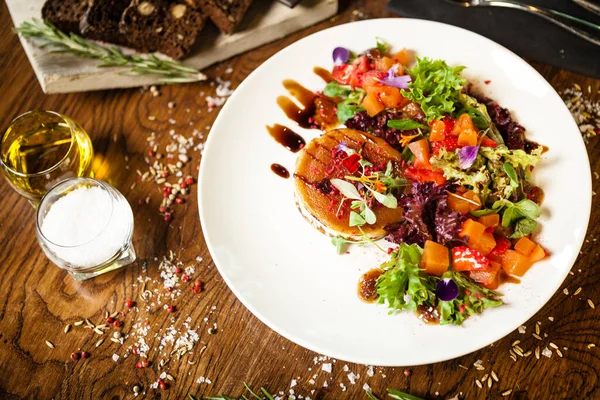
x: 42, y: 148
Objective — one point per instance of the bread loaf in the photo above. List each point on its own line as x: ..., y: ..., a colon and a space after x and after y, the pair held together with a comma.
x: 167, y: 26
x: 226, y: 14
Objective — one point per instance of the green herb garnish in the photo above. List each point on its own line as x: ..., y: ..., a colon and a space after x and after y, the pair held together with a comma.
x: 512, y: 174
x: 435, y: 87
x: 382, y: 46
x: 335, y: 89
x: 58, y: 42
x: 472, y: 299
x: 404, y: 124
x: 394, y: 394
x: 348, y: 107
x: 265, y: 395
x: 523, y: 228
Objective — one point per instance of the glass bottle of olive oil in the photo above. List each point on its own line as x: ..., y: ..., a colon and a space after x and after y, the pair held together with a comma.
x: 42, y: 148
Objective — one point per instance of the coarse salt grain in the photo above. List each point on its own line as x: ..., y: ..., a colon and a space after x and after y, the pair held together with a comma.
x: 326, y: 367
x: 547, y: 352
x: 370, y: 371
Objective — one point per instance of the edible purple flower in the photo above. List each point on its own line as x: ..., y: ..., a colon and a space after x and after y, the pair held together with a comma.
x: 341, y: 55
x: 446, y: 289
x: 400, y: 82
x: 467, y: 156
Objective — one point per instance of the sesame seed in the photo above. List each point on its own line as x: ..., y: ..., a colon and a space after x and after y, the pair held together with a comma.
x: 490, y: 383
x: 591, y: 303
x: 553, y: 345
x: 577, y: 291
x: 506, y: 393
x: 560, y: 354
x: 537, y: 352
x: 494, y: 376
x: 49, y: 344
x: 465, y: 368
x: 537, y: 329
x: 536, y: 336
x: 516, y: 342
x: 479, y: 385
x: 589, y: 346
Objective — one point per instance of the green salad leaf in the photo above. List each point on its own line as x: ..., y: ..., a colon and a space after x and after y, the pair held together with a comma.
x: 477, y: 176
x: 335, y: 89
x: 513, y: 212
x: 472, y: 299
x: 404, y: 124
x: 523, y: 228
x: 382, y: 46
x: 481, y: 117
x: 512, y: 174
x: 348, y: 107
x: 352, y: 99
x: 403, y: 285
x: 435, y: 87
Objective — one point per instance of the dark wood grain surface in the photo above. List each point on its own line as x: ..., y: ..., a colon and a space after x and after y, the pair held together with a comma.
x: 37, y: 300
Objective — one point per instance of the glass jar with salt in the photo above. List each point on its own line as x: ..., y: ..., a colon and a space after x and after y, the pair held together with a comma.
x: 85, y: 226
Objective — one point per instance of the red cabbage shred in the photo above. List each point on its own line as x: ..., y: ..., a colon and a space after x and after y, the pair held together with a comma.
x: 427, y: 216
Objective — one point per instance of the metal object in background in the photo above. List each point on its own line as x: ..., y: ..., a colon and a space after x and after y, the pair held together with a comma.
x: 588, y: 5
x: 582, y: 28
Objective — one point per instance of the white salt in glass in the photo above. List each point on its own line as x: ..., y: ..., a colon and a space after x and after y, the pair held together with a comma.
x: 85, y: 226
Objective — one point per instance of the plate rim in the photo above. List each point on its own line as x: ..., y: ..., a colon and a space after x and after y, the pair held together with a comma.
x: 429, y: 359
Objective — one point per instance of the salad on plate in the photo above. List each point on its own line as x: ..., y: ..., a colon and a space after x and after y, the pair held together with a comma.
x: 416, y: 157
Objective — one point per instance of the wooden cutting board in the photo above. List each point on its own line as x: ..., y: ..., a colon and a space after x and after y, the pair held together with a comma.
x: 266, y: 21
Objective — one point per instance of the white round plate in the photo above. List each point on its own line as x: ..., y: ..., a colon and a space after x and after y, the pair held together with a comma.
x: 289, y: 275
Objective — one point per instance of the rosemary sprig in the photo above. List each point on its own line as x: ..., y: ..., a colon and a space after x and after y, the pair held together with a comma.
x: 48, y: 36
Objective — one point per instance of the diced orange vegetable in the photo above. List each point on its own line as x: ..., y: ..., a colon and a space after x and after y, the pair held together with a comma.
x: 372, y: 104
x: 525, y: 246
x: 463, y: 123
x: 471, y: 195
x: 537, y: 254
x: 435, y: 259
x: 390, y: 97
x: 384, y: 63
x: 485, y: 244
x: 404, y: 57
x: 437, y: 131
x: 515, y: 263
x: 473, y: 229
x: 487, y: 277
x: 458, y: 204
x: 468, y: 137
x: 420, y: 149
x: 490, y: 221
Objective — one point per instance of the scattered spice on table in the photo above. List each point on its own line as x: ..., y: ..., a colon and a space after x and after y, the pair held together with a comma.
x: 585, y: 109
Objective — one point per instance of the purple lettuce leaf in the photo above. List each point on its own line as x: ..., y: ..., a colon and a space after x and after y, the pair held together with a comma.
x: 427, y: 216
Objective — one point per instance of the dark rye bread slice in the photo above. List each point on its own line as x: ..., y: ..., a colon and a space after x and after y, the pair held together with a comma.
x: 167, y: 26
x: 101, y: 21
x: 226, y: 14
x: 64, y: 14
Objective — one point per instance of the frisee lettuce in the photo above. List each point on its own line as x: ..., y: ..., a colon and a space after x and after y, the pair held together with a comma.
x: 435, y: 87
x: 472, y: 299
x: 403, y: 285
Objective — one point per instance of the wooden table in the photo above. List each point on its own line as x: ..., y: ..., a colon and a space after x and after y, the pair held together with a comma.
x: 38, y: 300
